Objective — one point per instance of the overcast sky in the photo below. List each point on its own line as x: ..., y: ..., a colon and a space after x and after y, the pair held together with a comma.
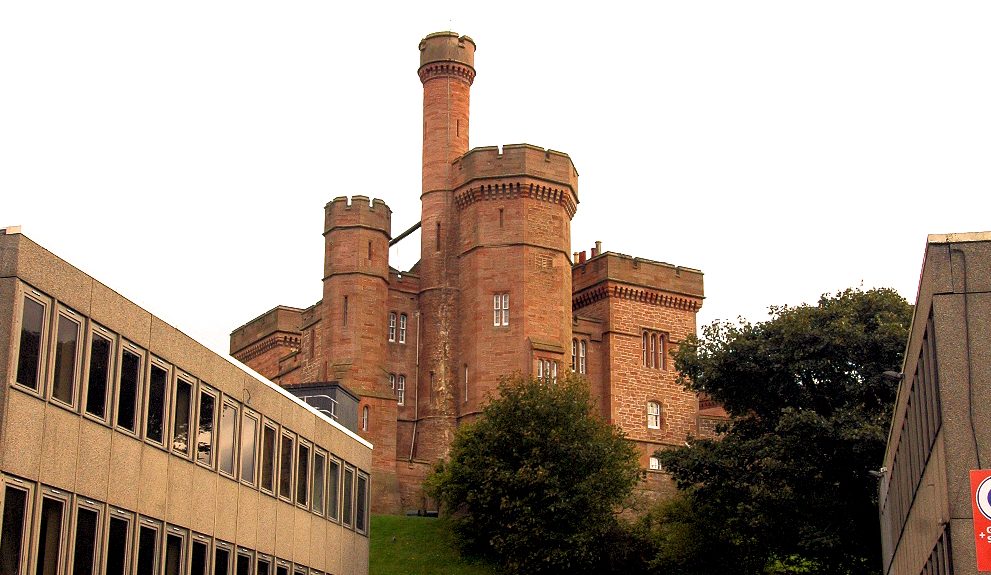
x: 182, y: 152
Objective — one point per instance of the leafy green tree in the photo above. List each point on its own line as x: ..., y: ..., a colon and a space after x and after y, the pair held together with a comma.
x: 787, y: 486
x: 536, y: 482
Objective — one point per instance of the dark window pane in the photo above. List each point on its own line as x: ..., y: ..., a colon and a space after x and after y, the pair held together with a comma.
x: 303, y: 475
x: 147, y: 545
x: 228, y: 429
x: 127, y: 398
x: 285, y: 469
x: 117, y: 546
x: 49, y: 537
x: 263, y: 567
x: 280, y: 570
x: 87, y: 521
x: 221, y: 562
x: 204, y: 435
x: 249, y: 430
x: 334, y: 490
x: 12, y: 531
x: 180, y: 421
x: 66, y: 346
x: 359, y: 516
x: 29, y: 352
x: 268, y: 458
x: 173, y: 554
x: 319, y: 462
x: 243, y: 565
x: 198, y: 564
x: 155, y: 423
x: 99, y: 376
x: 348, y: 495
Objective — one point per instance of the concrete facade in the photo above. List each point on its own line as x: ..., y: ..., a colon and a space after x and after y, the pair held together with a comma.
x: 944, y: 402
x: 127, y: 447
x: 497, y: 291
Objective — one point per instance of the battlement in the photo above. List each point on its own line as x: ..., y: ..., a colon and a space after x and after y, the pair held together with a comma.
x: 611, y: 269
x: 278, y: 319
x: 516, y: 160
x: 358, y: 211
x: 447, y: 54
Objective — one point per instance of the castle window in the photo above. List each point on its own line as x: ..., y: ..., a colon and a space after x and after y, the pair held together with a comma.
x: 466, y: 383
x: 500, y: 309
x: 392, y: 381
x: 655, y: 464
x: 574, y: 355
x: 547, y: 370
x: 501, y: 218
x: 653, y: 415
x: 364, y: 418
x: 344, y: 311
x: 402, y: 328
x: 401, y: 389
x: 392, y: 326
x: 652, y: 349
x: 582, y: 352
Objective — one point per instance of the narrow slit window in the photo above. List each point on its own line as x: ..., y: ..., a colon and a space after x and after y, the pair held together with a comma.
x: 643, y: 350
x: 348, y: 497
x: 369, y: 249
x: 155, y: 410
x: 437, y: 238
x: 268, y: 458
x: 147, y: 549
x: 31, y: 347
x: 249, y: 438
x: 12, y: 531
x: 285, y: 470
x: 181, y: 416
x: 118, y: 546
x: 364, y: 418
x: 344, y: 311
x: 303, y: 475
x: 228, y: 438
x: 204, y: 428
x: 501, y: 217
x: 66, y: 360
x: 85, y: 541
x: 466, y: 383
x: 127, y: 390
x: 101, y: 351
x: 334, y: 490
x: 574, y: 355
x: 318, y: 484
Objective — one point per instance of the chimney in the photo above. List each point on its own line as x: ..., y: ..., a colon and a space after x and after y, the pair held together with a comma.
x: 581, y: 257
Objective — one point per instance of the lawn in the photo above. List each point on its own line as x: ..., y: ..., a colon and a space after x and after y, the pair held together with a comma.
x: 416, y: 546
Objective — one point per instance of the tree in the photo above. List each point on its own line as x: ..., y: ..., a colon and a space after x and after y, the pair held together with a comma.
x: 536, y: 482
x: 788, y: 483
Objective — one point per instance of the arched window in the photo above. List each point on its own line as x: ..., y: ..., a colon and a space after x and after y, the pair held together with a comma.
x: 653, y: 415
x: 402, y: 328
x: 392, y: 326
x: 364, y: 418
x: 401, y: 389
x: 574, y: 355
x: 582, y: 352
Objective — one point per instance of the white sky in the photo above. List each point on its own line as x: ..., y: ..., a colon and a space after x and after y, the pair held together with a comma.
x: 182, y: 152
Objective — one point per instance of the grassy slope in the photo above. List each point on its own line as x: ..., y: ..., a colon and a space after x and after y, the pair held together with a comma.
x: 416, y: 546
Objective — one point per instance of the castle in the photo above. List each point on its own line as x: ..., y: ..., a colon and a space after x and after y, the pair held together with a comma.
x: 497, y: 290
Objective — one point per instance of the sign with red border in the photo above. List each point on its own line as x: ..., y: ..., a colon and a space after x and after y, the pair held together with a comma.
x: 980, y: 500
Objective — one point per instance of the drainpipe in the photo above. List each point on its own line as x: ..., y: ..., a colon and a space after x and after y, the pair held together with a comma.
x: 416, y: 395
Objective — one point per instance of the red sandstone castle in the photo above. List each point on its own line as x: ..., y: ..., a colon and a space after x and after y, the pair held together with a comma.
x: 497, y: 290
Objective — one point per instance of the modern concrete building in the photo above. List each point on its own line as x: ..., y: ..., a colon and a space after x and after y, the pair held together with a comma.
x: 940, y: 427
x: 128, y: 448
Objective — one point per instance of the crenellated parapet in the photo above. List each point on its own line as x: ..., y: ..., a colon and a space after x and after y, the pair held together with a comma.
x: 612, y: 275
x: 518, y: 170
x: 447, y: 55
x: 357, y: 212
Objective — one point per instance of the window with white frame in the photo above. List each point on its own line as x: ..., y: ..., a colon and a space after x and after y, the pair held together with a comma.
x: 655, y: 464
x: 392, y: 381
x: 653, y: 415
x: 364, y: 418
x: 547, y: 370
x: 652, y: 349
x: 500, y: 309
x: 401, y: 389
x: 574, y: 355
x: 392, y: 326
x: 402, y: 328
x: 582, y: 352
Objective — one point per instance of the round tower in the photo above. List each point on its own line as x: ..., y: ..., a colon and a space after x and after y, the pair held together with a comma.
x: 447, y: 72
x: 354, y: 326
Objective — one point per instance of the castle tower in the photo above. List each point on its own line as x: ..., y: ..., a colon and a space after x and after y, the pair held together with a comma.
x: 447, y: 72
x: 515, y: 208
x: 354, y: 326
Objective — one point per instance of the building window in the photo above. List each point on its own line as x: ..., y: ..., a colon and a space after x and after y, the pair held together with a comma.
x: 364, y: 418
x: 652, y: 346
x: 392, y: 382
x: 86, y: 537
x: 344, y: 311
x: 348, y: 497
x: 401, y: 389
x: 127, y: 390
x: 67, y: 356
x: 158, y: 383
x: 653, y: 415
x: 392, y: 326
x: 32, y: 345
x: 318, y: 485
x: 402, y: 328
x: 101, y: 353
x: 334, y: 490
x: 655, y: 464
x: 466, y: 383
x: 269, y: 433
x: 574, y: 355
x: 582, y: 352
x: 249, y: 438
x: 303, y: 474
x: 182, y: 414
x: 500, y: 309
x: 547, y: 370
x: 285, y: 467
x: 15, y: 531
x: 361, y: 504
x: 204, y: 429
x: 228, y: 438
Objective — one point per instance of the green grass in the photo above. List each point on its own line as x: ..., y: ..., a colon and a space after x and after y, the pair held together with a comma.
x: 416, y: 546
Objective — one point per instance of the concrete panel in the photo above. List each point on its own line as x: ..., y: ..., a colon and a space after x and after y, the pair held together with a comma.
x: 285, y: 518
x: 56, y: 277
x: 247, y: 517
x: 60, y: 448
x: 205, y: 504
x: 318, y: 543
x: 154, y: 481
x: 181, y: 496
x: 120, y: 315
x: 301, y: 536
x: 23, y: 434
x: 333, y: 549
x: 266, y: 524
x: 226, y: 526
x: 93, y: 473
x: 8, y: 291
x: 125, y: 469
